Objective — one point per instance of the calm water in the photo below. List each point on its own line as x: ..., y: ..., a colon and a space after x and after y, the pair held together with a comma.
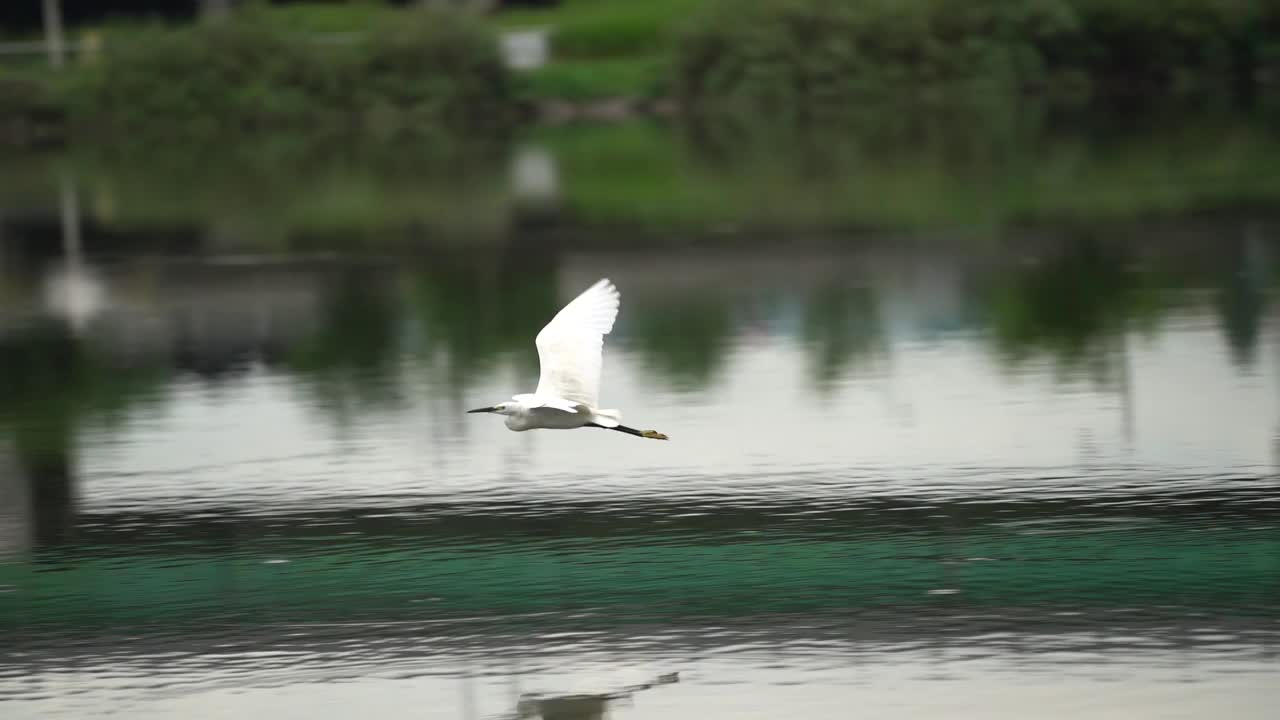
x: 919, y: 476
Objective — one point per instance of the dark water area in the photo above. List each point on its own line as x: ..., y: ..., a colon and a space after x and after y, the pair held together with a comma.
x: 909, y: 472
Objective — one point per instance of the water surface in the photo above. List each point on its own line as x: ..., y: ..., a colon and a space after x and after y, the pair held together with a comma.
x: 919, y: 474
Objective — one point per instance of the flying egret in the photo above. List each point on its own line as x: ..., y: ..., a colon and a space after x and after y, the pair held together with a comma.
x: 569, y: 353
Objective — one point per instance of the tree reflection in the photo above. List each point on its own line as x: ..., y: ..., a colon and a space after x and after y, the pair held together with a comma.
x: 51, y: 385
x: 1071, y: 305
x: 1240, y: 299
x: 841, y: 325
x: 478, y: 310
x: 684, y: 341
x: 348, y: 363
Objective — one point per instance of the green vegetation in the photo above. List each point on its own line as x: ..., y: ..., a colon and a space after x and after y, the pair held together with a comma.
x: 607, y: 28
x: 31, y: 112
x: 417, y: 74
x: 370, y: 144
x: 372, y: 69
x: 603, y: 48
x: 578, y: 80
x: 812, y: 58
x: 817, y: 55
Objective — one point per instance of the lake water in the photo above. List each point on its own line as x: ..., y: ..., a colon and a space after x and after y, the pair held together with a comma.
x: 911, y: 474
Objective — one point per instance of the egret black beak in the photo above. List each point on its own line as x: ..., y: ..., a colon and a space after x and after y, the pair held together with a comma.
x: 483, y: 409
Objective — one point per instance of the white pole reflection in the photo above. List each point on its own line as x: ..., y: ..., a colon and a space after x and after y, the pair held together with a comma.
x: 535, y: 177
x: 72, y: 290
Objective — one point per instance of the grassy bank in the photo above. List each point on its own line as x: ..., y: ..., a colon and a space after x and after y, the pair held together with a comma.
x: 604, y: 48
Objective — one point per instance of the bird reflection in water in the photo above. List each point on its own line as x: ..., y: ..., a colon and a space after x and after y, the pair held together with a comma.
x: 581, y: 707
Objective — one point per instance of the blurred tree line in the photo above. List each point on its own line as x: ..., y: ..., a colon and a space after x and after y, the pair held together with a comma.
x: 789, y: 60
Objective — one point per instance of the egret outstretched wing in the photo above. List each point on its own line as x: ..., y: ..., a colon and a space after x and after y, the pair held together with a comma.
x: 571, y: 346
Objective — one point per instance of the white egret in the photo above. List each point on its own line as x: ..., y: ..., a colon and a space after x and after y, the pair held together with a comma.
x: 570, y: 350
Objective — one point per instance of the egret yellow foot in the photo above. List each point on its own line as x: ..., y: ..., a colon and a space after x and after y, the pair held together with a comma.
x: 653, y: 435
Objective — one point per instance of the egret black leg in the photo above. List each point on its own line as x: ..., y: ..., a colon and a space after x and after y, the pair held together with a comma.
x: 651, y: 434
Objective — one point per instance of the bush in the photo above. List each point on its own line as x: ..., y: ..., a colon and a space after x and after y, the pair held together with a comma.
x: 432, y: 69
x: 1165, y: 44
x: 429, y: 72
x: 820, y: 56
x: 816, y: 56
x: 30, y: 112
x: 199, y: 80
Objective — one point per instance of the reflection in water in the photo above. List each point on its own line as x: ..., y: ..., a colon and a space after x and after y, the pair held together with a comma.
x: 842, y: 324
x: 1241, y: 296
x: 1074, y: 304
x: 51, y: 384
x: 476, y: 311
x: 683, y: 340
x: 73, y: 291
x: 582, y: 707
x: 346, y: 363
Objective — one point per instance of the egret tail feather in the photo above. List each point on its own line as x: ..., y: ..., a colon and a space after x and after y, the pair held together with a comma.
x: 607, y: 418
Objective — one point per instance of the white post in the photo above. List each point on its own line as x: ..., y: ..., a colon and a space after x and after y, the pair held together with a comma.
x: 53, y: 32
x: 215, y: 10
x: 72, y: 290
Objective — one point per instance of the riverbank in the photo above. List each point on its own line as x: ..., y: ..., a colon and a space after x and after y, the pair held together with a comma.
x: 359, y: 68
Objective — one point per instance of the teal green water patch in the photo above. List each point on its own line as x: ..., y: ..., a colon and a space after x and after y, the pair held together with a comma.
x: 349, y: 578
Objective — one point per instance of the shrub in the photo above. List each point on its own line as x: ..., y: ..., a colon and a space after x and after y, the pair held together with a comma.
x: 820, y: 56
x: 199, y: 80
x: 432, y: 69
x: 30, y: 112
x: 429, y: 72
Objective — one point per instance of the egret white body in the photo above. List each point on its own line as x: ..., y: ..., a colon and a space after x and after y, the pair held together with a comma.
x: 570, y: 357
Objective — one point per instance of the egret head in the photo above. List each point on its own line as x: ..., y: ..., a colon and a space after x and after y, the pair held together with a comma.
x: 502, y: 408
